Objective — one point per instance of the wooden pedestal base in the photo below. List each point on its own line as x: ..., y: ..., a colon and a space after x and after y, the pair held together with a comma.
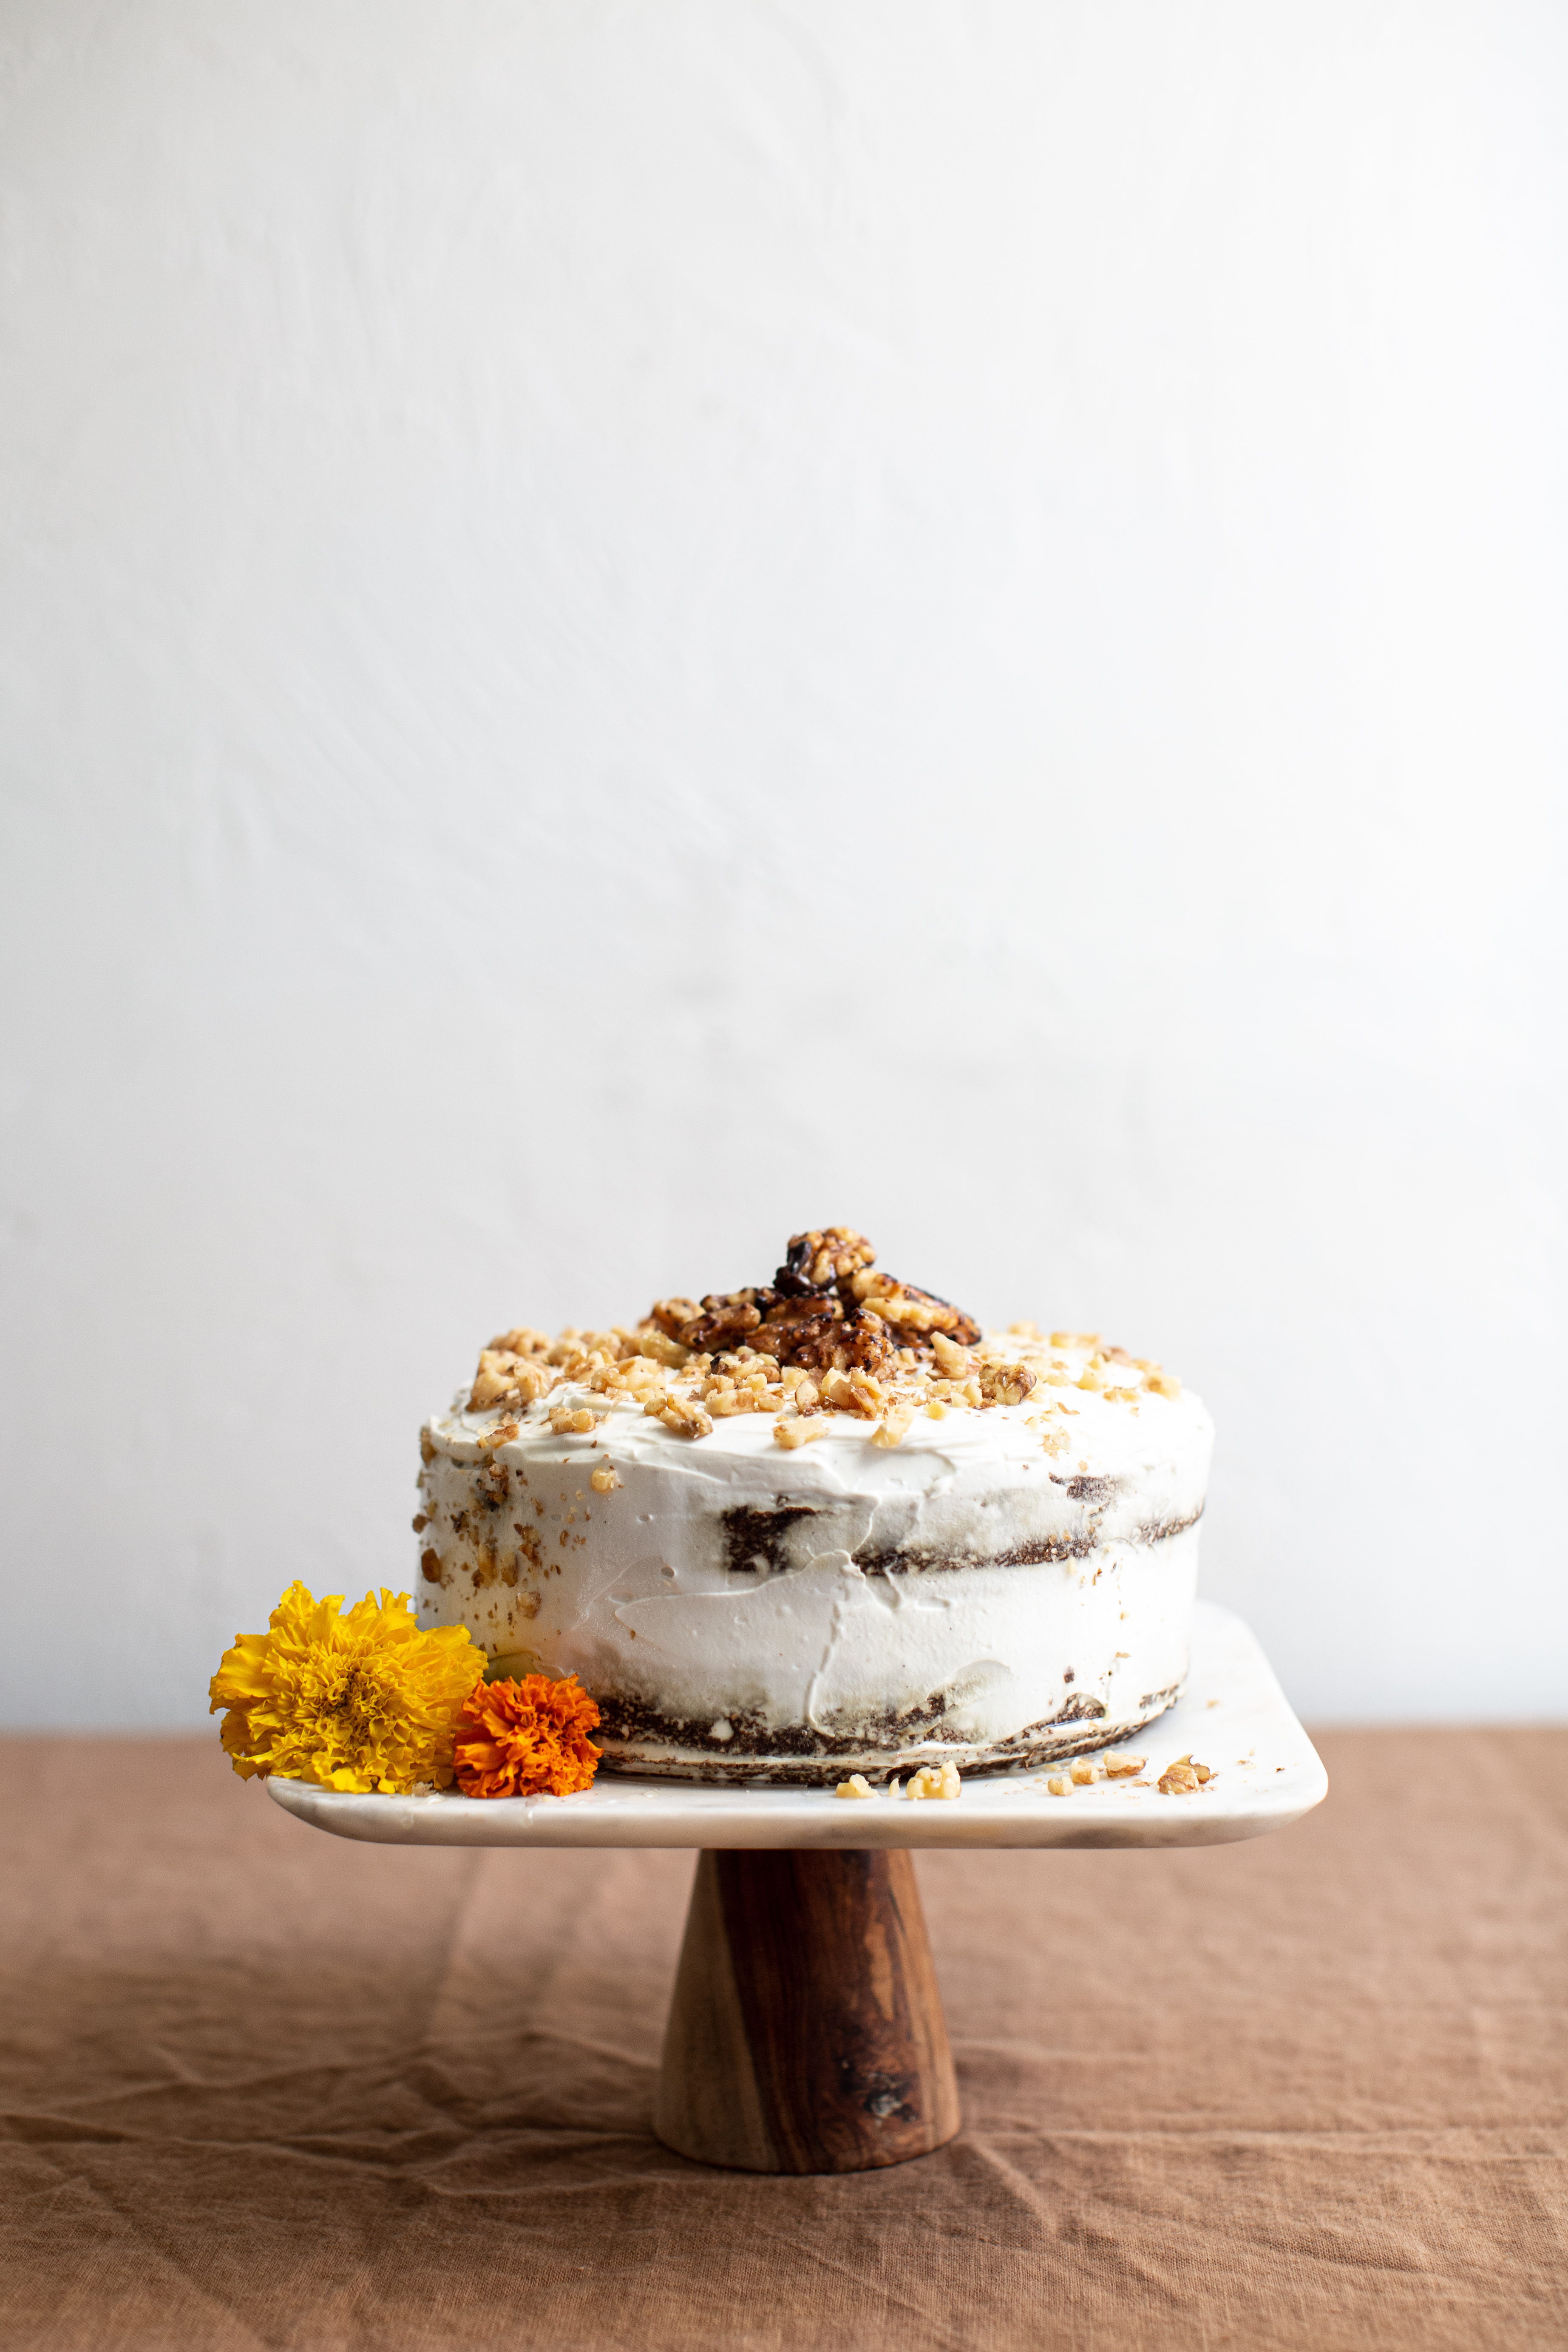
x: 806, y: 2033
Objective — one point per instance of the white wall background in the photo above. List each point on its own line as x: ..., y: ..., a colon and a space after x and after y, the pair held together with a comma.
x: 630, y: 624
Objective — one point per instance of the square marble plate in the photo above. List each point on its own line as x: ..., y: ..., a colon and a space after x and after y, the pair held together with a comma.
x: 1233, y: 1718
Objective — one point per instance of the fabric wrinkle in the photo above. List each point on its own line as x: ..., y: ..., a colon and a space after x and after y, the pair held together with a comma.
x: 270, y: 2089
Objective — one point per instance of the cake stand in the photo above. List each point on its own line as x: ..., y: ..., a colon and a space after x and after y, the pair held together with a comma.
x: 806, y: 2033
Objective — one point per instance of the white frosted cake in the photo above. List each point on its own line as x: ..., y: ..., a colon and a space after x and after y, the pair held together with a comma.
x: 823, y: 1526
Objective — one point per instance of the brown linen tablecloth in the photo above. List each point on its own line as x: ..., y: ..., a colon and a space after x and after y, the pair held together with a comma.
x: 265, y: 2088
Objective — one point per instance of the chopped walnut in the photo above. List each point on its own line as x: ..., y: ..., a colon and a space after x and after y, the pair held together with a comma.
x: 1006, y: 1383
x: 686, y: 1417
x: 1182, y: 1778
x: 791, y: 1431
x: 606, y: 1480
x: 566, y: 1421
x: 1059, y: 1785
x: 934, y: 1781
x: 895, y: 1427
x: 1084, y: 1772
x: 658, y: 1345
x: 857, y: 1785
x: 1122, y: 1767
x: 523, y: 1341
x: 501, y: 1433
x: 489, y: 1385
x: 503, y: 1377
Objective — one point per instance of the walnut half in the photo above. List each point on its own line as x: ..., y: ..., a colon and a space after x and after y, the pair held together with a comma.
x: 916, y: 1315
x: 816, y: 1260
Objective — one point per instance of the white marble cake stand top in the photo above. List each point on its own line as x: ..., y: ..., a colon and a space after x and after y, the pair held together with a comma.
x: 1233, y: 1718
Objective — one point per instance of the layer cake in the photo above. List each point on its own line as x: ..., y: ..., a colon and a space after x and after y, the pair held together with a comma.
x: 823, y: 1526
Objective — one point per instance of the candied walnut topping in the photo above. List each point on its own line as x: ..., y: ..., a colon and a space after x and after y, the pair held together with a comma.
x: 826, y: 1310
x: 722, y: 1322
x: 829, y: 1335
x: 914, y: 1314
x: 815, y: 1261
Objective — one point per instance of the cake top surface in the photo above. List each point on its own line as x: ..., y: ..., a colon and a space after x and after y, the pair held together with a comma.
x: 881, y: 1380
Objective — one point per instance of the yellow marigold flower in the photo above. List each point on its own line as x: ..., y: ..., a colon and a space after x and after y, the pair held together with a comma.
x: 362, y: 1700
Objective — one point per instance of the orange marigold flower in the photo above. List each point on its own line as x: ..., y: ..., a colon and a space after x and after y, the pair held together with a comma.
x: 526, y: 1739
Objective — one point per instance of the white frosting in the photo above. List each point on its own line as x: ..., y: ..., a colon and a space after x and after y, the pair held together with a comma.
x: 962, y: 1594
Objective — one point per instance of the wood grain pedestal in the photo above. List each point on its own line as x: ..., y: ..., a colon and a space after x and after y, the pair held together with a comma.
x: 806, y: 2033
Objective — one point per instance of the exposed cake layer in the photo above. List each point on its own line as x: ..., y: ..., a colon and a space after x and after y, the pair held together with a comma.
x: 1001, y: 1583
